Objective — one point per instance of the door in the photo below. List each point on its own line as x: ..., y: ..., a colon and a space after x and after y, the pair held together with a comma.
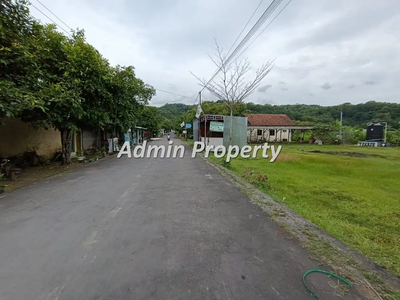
x: 78, y: 138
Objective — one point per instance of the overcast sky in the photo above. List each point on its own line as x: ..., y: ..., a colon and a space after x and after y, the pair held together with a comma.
x: 327, y: 52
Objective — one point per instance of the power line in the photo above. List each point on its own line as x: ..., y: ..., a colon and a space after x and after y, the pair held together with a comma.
x: 270, y: 9
x: 54, y: 14
x: 175, y: 94
x: 50, y: 19
x: 254, y: 12
x: 195, y: 100
x: 264, y: 29
x: 251, y: 17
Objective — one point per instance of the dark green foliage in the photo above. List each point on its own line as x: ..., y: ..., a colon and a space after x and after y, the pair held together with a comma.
x: 353, y: 115
x: 356, y: 116
x: 56, y: 81
x: 150, y: 118
x: 170, y: 111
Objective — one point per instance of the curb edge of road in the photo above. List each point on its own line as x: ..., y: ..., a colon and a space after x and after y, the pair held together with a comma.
x: 344, y: 260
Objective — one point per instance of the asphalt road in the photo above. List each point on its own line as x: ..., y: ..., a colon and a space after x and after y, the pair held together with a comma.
x: 146, y: 229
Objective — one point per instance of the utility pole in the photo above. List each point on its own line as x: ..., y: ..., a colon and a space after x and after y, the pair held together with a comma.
x: 205, y: 123
x: 200, y: 98
x: 200, y: 116
x: 385, y: 132
x: 341, y: 123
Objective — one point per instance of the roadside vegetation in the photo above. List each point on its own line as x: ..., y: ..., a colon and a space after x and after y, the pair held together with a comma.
x: 350, y: 192
x: 325, y: 119
x: 54, y: 80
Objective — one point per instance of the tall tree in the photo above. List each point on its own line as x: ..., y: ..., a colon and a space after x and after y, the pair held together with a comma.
x: 231, y: 85
x: 150, y: 119
x: 55, y: 81
x: 17, y: 65
x: 61, y: 63
x: 129, y: 95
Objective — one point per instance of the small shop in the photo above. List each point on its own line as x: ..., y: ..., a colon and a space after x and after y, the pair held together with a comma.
x: 135, y: 135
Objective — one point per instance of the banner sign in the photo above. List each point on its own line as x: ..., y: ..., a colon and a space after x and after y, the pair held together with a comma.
x: 198, y: 111
x: 217, y: 126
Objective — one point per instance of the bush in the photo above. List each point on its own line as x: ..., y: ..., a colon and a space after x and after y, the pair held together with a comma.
x: 353, y: 134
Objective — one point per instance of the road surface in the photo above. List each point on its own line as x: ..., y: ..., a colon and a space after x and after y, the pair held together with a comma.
x: 146, y: 229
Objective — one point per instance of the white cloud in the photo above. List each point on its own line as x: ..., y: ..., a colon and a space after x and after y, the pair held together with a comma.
x: 342, y: 43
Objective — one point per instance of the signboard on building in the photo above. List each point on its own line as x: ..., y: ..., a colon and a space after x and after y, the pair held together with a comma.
x: 217, y: 126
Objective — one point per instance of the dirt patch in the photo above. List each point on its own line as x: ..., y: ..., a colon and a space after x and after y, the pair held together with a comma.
x: 351, y: 154
x: 31, y: 175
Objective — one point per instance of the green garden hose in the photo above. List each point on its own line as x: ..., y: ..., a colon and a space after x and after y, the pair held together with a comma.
x: 324, y: 272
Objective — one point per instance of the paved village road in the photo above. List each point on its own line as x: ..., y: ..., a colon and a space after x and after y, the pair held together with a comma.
x: 146, y: 229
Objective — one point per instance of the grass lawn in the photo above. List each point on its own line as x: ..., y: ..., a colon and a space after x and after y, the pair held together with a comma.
x: 351, y: 192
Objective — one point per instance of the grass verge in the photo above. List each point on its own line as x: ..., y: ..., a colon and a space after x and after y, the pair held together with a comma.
x: 351, y: 196
x: 350, y: 192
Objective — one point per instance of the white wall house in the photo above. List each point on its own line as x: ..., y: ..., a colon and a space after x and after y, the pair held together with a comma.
x: 269, y: 134
x: 271, y: 128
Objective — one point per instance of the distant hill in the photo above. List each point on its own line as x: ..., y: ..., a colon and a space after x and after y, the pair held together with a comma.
x: 353, y: 114
x: 171, y: 111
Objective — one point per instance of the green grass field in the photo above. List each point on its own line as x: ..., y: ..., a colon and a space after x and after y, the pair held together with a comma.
x: 351, y: 192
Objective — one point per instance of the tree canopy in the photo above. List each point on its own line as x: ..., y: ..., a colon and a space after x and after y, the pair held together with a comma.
x: 356, y: 116
x: 57, y: 81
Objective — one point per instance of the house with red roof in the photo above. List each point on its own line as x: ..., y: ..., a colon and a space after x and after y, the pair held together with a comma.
x: 271, y: 128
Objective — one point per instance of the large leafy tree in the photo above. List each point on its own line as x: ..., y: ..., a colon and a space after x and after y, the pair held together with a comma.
x: 17, y: 64
x: 57, y: 81
x: 71, y: 78
x: 129, y: 95
x: 231, y: 86
x: 150, y: 119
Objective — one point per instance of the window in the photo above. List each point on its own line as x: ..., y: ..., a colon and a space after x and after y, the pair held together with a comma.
x: 259, y: 132
x: 284, y: 130
x: 271, y: 132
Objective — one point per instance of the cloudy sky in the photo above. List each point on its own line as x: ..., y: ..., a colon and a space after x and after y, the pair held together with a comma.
x: 326, y: 52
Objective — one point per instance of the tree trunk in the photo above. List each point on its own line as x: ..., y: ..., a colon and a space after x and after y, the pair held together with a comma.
x: 66, y: 137
x: 231, y: 129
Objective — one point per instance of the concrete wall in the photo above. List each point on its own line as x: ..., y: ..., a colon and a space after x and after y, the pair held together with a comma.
x: 213, y: 141
x: 195, y: 130
x: 280, y: 135
x: 17, y: 137
x: 239, y: 130
x: 88, y: 138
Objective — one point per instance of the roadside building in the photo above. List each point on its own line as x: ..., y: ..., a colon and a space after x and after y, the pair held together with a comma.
x: 214, y: 130
x: 271, y: 128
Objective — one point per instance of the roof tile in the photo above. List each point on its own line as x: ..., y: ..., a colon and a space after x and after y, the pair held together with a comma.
x: 269, y: 120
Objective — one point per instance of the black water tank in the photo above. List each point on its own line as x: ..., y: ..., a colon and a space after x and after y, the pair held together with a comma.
x: 375, y: 132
